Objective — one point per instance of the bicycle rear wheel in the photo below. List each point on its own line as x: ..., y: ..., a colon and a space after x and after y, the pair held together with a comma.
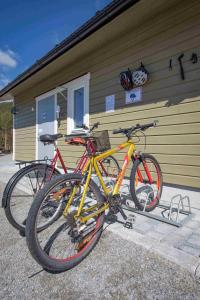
x: 65, y: 242
x: 146, y: 182
x: 21, y: 190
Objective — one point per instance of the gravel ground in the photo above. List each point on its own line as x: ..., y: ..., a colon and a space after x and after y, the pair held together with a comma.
x: 116, y: 269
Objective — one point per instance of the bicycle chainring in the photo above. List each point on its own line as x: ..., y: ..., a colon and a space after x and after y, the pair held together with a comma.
x: 114, y: 202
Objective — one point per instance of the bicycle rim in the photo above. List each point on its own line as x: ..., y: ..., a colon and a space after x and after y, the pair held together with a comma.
x: 148, y: 183
x: 23, y: 191
x: 66, y: 241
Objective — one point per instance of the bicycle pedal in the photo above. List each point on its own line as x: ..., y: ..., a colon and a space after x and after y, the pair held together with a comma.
x: 129, y: 223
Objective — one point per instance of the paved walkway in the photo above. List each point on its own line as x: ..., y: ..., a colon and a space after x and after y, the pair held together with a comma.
x: 117, y: 268
x: 179, y: 245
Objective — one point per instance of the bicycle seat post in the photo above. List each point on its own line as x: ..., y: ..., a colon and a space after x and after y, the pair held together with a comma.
x: 55, y: 146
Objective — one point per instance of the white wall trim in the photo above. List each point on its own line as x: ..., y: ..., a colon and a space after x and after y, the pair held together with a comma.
x: 75, y: 84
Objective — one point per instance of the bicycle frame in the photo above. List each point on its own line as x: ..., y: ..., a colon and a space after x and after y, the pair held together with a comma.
x: 81, y: 163
x: 54, y: 161
x: 92, y: 164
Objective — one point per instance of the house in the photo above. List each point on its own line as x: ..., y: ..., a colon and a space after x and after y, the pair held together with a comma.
x: 87, y: 65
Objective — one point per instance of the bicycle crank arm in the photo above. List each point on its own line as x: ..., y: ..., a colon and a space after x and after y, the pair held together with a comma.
x: 124, y: 216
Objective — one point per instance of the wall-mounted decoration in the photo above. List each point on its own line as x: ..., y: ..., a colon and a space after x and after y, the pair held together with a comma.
x: 134, y: 95
x: 181, y: 66
x: 126, y: 80
x: 110, y: 103
x: 170, y: 64
x: 140, y: 76
x: 129, y: 79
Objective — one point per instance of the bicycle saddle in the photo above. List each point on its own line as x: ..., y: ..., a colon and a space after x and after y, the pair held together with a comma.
x: 50, y: 138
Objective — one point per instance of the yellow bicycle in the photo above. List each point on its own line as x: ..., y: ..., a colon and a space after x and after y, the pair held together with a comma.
x: 63, y: 242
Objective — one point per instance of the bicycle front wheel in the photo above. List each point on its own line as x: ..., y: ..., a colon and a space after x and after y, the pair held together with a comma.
x: 146, y: 182
x: 21, y: 190
x: 66, y: 241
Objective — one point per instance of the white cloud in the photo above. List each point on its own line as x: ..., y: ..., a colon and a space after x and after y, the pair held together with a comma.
x: 7, y: 58
x: 3, y: 81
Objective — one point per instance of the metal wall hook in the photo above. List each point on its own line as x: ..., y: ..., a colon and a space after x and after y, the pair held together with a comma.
x: 194, y: 58
x: 181, y: 66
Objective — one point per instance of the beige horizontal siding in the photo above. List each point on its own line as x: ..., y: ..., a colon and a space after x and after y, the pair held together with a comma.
x: 176, y: 141
x: 173, y: 102
x: 25, y: 131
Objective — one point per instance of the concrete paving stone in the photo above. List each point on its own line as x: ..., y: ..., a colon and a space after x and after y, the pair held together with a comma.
x: 184, y: 231
x: 193, y: 224
x: 138, y: 219
x: 134, y: 236
x: 164, y: 228
x: 144, y: 227
x: 196, y: 231
x: 155, y: 235
x: 188, y: 249
x: 194, y: 239
x: 152, y: 221
x: 178, y: 256
x: 174, y: 240
x: 196, y: 214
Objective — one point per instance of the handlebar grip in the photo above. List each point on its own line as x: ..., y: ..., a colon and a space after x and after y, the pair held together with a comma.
x: 146, y: 126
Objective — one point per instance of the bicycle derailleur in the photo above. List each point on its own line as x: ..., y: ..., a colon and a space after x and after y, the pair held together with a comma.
x: 78, y: 232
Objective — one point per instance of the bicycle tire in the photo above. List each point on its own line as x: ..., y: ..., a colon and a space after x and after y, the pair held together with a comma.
x: 49, y: 263
x: 10, y: 188
x: 151, y: 205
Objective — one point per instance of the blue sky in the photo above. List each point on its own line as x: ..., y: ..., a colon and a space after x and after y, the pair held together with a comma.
x: 30, y: 28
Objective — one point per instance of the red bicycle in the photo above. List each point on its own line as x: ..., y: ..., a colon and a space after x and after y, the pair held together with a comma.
x: 21, y: 189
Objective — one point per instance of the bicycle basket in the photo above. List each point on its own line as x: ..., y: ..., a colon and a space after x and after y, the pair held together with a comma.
x: 101, y: 141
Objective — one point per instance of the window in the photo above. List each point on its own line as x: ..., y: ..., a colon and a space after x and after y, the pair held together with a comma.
x: 78, y: 108
x: 78, y: 103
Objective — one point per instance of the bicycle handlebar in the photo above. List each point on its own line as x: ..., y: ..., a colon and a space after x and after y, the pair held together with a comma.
x: 94, y: 126
x: 83, y: 134
x: 129, y: 131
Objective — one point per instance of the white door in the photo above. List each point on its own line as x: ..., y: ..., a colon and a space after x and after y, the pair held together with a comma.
x: 46, y: 124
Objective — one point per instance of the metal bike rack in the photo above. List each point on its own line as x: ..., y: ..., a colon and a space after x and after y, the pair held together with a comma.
x: 176, y: 213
